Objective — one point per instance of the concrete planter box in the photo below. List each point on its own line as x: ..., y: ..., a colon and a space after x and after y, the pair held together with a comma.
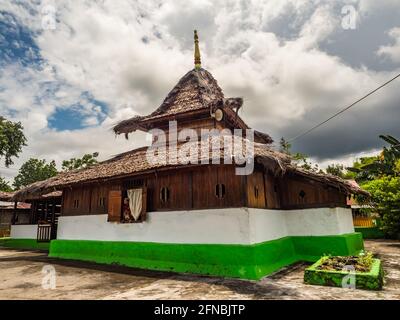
x: 372, y: 280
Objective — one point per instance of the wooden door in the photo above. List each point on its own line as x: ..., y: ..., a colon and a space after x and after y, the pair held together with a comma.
x: 114, y: 205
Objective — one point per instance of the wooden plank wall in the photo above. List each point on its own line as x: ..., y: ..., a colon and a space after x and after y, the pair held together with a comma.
x: 99, y: 199
x: 272, y: 191
x: 315, y: 194
x: 256, y: 191
x: 204, y: 188
x: 196, y: 189
x: 81, y: 194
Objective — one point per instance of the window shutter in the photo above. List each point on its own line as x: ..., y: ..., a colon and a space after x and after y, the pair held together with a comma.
x: 114, y: 205
x: 144, y: 204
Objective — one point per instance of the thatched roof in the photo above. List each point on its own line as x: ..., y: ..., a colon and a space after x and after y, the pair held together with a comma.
x: 20, y: 206
x: 30, y: 196
x: 6, y: 196
x: 196, y: 91
x: 135, y: 162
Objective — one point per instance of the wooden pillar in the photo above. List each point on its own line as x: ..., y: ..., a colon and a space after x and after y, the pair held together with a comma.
x: 53, y: 211
x: 53, y: 231
x: 14, y: 218
x: 31, y: 218
x: 46, y: 210
x: 33, y: 212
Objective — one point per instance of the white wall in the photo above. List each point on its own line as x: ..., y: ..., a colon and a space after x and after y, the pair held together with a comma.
x: 24, y: 231
x: 224, y: 226
x: 200, y: 226
x: 319, y: 222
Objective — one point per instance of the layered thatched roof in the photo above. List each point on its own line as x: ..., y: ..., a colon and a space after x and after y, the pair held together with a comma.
x: 196, y: 91
x: 136, y: 162
x: 6, y: 196
x: 16, y: 196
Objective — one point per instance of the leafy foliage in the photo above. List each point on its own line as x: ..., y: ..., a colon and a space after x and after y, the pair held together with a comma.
x: 12, y: 139
x: 300, y: 158
x: 4, y: 186
x: 370, y: 168
x: 336, y: 170
x: 78, y: 163
x: 34, y: 170
x: 380, y: 176
x: 385, y: 193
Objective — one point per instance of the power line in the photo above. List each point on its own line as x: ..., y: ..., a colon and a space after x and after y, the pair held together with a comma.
x: 343, y: 110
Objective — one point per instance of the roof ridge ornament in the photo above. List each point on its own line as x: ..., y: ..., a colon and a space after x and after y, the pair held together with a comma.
x: 197, y: 61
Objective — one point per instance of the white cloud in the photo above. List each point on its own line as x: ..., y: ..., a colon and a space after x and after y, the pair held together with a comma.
x: 392, y: 51
x: 129, y: 54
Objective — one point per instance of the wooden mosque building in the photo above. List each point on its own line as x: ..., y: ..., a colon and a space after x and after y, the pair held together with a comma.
x: 198, y: 216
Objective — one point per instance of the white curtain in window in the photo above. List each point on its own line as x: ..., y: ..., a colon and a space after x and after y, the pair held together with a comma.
x: 135, y: 202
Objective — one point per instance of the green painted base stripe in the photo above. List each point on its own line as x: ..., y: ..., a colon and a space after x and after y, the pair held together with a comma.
x: 238, y: 261
x: 24, y: 244
x: 370, y: 233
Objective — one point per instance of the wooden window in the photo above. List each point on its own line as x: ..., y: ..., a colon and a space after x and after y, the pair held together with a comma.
x: 164, y: 194
x: 127, y: 216
x: 102, y: 202
x: 76, y: 203
x: 132, y: 184
x: 256, y: 192
x: 220, y: 190
x: 114, y: 205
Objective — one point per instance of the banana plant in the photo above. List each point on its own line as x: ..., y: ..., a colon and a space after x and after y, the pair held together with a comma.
x: 370, y: 168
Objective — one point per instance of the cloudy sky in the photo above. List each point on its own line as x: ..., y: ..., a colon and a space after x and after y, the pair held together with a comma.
x: 70, y: 70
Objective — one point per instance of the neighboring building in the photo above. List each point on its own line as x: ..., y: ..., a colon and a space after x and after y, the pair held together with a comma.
x: 365, y: 219
x: 198, y: 217
x: 36, y: 218
x: 12, y: 213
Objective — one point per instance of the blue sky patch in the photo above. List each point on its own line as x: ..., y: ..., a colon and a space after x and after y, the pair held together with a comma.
x: 16, y: 43
x: 79, y: 116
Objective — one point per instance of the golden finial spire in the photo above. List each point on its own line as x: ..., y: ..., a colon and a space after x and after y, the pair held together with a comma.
x: 197, y: 62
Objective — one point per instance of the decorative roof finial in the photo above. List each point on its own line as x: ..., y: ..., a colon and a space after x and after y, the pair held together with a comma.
x: 197, y: 62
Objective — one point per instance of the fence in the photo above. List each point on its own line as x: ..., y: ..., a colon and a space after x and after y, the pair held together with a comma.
x: 363, y: 222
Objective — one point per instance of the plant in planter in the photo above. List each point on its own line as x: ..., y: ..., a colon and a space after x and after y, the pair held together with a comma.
x: 338, y: 271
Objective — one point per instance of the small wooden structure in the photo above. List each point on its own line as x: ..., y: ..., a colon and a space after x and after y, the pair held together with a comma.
x: 11, y: 212
x: 41, y: 211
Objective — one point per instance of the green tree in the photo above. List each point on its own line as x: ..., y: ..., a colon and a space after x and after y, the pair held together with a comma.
x: 380, y: 176
x: 12, y: 139
x: 76, y: 163
x: 34, y: 170
x: 299, y: 158
x: 4, y: 185
x: 370, y: 168
x: 357, y: 172
x: 336, y: 170
x: 284, y: 146
x: 385, y: 193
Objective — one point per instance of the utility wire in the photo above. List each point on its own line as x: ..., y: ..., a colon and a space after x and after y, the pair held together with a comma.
x: 343, y: 110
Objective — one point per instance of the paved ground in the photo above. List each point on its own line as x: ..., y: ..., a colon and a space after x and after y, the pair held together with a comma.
x: 21, y: 278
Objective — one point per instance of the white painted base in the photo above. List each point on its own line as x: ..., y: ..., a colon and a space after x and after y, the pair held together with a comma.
x: 24, y: 231
x: 223, y: 226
